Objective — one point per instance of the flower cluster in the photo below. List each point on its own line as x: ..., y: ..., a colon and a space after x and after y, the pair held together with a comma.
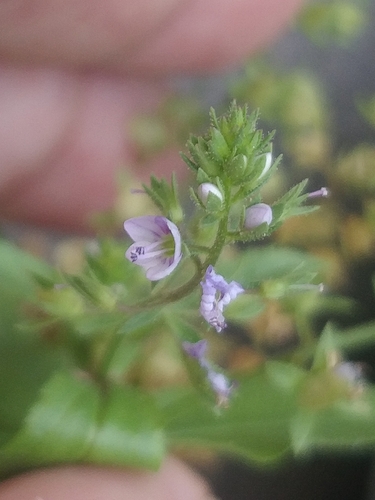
x: 231, y: 163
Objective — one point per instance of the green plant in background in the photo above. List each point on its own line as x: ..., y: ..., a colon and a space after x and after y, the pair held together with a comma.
x: 120, y: 364
x: 327, y: 22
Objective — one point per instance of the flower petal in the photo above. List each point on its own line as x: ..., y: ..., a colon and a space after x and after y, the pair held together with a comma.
x: 145, y: 228
x: 177, y: 240
x: 196, y: 350
x: 149, y: 234
x: 162, y: 269
x: 217, y: 293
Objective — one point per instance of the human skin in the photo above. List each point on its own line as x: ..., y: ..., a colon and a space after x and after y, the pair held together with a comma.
x: 72, y: 75
x: 174, y: 481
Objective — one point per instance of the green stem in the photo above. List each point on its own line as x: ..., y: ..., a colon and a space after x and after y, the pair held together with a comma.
x: 219, y: 243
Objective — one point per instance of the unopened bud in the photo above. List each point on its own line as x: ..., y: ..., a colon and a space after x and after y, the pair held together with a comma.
x: 320, y: 193
x: 267, y: 164
x: 258, y: 214
x: 205, y: 189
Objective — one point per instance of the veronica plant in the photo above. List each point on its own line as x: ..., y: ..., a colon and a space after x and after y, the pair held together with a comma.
x: 122, y: 355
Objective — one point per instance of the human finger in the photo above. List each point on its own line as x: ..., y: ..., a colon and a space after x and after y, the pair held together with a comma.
x: 63, y: 136
x: 143, y: 36
x: 173, y: 482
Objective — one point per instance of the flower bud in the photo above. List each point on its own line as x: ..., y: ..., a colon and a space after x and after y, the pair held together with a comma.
x: 205, y: 189
x: 267, y: 164
x: 257, y: 215
x: 320, y: 193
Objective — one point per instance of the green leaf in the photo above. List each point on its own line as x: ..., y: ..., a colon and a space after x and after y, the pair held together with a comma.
x: 109, y: 264
x: 180, y: 327
x: 356, y: 338
x: 26, y: 362
x: 139, y: 324
x: 255, y: 426
x: 57, y: 428
x: 126, y: 345
x: 347, y: 425
x: 92, y: 290
x: 129, y: 431
x: 126, y: 352
x: 259, y: 264
x: 244, y: 307
x: 325, y: 349
x: 74, y: 421
x: 285, y: 375
x: 97, y: 323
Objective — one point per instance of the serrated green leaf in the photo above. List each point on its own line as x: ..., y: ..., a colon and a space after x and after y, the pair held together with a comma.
x: 218, y: 145
x: 202, y: 176
x: 193, y: 166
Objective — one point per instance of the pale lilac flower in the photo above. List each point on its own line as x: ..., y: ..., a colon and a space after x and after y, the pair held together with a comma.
x: 349, y: 371
x: 156, y: 247
x: 257, y: 214
x: 320, y: 193
x: 197, y: 350
x: 205, y: 189
x: 219, y: 383
x: 217, y: 293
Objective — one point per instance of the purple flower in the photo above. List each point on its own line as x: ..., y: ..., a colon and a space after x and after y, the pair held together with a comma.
x: 196, y: 350
x: 320, y: 193
x: 349, y: 371
x: 205, y: 189
x: 257, y: 215
x: 217, y: 293
x: 219, y: 383
x: 156, y: 247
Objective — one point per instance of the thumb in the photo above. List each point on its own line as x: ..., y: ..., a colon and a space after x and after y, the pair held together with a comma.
x: 174, y: 481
